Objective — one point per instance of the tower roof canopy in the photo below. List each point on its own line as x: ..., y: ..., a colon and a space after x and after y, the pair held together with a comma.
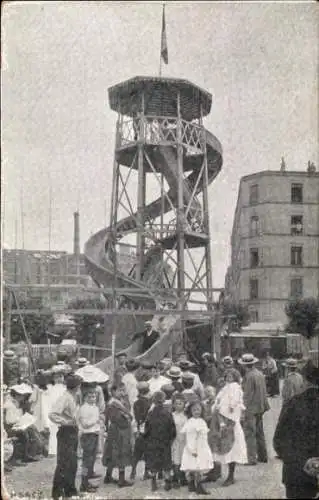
x: 160, y: 97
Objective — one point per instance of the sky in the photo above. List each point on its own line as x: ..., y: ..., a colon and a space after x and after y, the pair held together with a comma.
x: 258, y: 60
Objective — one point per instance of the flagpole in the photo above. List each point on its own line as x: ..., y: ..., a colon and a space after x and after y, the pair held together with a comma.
x: 161, y: 55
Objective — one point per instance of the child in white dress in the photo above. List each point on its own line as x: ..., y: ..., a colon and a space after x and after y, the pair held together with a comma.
x: 197, y: 457
x: 178, y: 445
x: 229, y: 407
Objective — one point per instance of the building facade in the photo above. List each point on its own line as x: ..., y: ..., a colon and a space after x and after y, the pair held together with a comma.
x: 53, y: 277
x: 275, y: 242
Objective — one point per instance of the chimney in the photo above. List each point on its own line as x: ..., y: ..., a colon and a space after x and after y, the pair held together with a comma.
x: 76, y: 240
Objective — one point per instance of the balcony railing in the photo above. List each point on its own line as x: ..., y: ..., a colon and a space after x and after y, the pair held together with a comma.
x: 161, y: 130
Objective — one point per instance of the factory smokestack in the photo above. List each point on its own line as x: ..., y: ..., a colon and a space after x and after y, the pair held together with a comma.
x: 76, y: 240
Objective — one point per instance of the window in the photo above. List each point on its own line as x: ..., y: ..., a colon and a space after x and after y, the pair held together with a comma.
x: 296, y: 256
x: 254, y: 257
x: 254, y: 317
x: 253, y: 289
x: 296, y: 224
x: 254, y: 225
x: 296, y: 193
x: 253, y: 194
x: 296, y: 288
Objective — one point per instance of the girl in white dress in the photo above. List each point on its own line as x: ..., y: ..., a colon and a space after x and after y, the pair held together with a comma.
x: 178, y: 445
x: 197, y: 457
x: 229, y: 405
x: 55, y: 390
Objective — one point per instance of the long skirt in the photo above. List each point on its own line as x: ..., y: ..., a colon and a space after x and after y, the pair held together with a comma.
x: 66, y: 467
x: 117, y: 447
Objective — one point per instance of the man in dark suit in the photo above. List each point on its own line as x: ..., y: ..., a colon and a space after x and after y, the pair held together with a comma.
x: 256, y: 404
x: 296, y: 438
x: 150, y: 337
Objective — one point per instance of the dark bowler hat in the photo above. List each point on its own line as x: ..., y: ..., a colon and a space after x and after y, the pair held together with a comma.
x: 168, y: 389
x: 184, y: 364
x: 147, y: 365
x: 132, y: 364
x: 188, y: 376
x: 119, y: 354
x: 143, y: 387
x: 72, y: 381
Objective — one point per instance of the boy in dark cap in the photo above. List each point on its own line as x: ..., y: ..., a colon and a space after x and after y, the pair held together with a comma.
x: 160, y: 432
x: 64, y: 414
x: 140, y: 411
x: 121, y: 369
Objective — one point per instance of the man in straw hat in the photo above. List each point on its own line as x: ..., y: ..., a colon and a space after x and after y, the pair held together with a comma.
x: 10, y: 368
x: 296, y: 438
x: 293, y: 382
x: 64, y: 414
x: 256, y: 403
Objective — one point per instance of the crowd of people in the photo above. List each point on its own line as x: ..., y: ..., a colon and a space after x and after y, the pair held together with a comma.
x: 185, y: 422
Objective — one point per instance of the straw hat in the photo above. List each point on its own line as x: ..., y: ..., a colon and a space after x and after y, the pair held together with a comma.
x: 57, y: 369
x: 174, y: 372
x: 91, y: 374
x: 248, y: 359
x: 22, y: 389
x: 290, y: 363
x: 206, y: 355
x: 9, y: 354
x: 228, y: 361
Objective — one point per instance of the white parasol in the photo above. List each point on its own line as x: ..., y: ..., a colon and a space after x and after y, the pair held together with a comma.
x: 91, y: 374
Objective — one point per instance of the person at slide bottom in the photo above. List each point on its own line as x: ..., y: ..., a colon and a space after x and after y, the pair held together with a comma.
x: 197, y: 457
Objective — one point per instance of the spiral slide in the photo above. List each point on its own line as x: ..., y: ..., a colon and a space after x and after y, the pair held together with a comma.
x: 98, y: 248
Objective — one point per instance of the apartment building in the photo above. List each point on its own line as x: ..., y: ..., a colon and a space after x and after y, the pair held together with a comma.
x: 275, y: 242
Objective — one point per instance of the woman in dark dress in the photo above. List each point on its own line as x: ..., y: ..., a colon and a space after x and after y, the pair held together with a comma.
x: 160, y: 432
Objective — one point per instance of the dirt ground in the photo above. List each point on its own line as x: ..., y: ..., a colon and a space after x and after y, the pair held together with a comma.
x: 261, y: 481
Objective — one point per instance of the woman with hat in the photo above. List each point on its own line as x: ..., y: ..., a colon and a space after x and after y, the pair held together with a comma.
x: 209, y: 371
x: 10, y: 368
x: 175, y: 375
x: 296, y: 438
x: 19, y: 423
x: 55, y: 390
x: 256, y: 404
x: 293, y: 382
x: 186, y: 366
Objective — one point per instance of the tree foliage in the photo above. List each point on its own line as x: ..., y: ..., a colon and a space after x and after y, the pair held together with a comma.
x: 36, y: 325
x: 87, y: 326
x: 303, y: 316
x: 234, y: 314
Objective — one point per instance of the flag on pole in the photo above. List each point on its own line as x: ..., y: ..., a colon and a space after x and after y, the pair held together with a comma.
x: 164, y: 51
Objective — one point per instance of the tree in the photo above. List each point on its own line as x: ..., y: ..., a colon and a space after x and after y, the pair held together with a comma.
x: 303, y: 315
x: 87, y: 325
x: 236, y: 315
x: 36, y: 325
